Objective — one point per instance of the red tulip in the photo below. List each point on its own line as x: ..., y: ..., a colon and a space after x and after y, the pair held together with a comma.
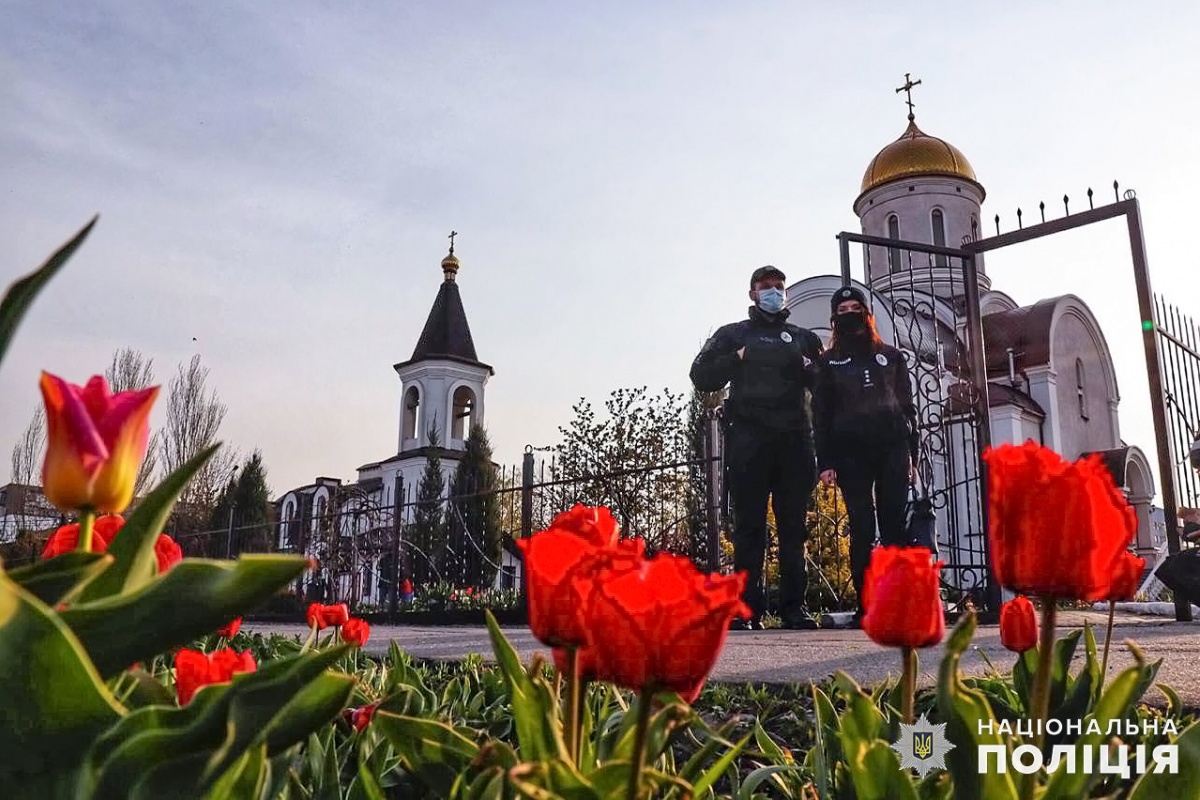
x: 95, y: 443
x: 356, y: 631
x: 658, y: 625
x: 1018, y: 625
x: 1056, y: 529
x: 594, y: 524
x: 1127, y: 576
x: 360, y: 718
x: 194, y: 669
x: 552, y: 558
x: 324, y: 616
x: 230, y: 630
x: 901, y: 598
x: 106, y: 528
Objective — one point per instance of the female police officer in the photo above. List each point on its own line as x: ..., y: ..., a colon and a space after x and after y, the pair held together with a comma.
x: 865, y: 425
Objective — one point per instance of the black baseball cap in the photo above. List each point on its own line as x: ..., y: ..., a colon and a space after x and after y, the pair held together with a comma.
x: 766, y: 272
x: 846, y: 293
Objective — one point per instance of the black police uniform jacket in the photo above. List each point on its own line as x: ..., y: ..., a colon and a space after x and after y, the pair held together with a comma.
x: 767, y: 385
x: 863, y: 397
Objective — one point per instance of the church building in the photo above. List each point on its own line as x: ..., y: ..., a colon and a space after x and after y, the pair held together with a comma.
x: 1050, y: 375
x: 442, y: 392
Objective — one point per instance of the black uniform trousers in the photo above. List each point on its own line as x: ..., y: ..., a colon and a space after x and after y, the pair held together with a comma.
x: 762, y: 463
x: 874, y: 483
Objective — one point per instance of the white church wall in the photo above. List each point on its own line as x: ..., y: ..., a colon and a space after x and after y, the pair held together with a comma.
x: 1087, y: 389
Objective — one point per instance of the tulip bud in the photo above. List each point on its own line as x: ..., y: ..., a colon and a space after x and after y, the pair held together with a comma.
x: 95, y: 443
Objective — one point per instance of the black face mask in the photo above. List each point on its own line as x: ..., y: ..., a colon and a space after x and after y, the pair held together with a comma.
x: 850, y: 323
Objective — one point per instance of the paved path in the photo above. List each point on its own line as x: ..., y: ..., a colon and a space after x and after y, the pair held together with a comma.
x: 784, y: 656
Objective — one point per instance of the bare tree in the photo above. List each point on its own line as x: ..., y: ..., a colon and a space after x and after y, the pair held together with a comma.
x: 30, y: 449
x: 130, y: 371
x: 194, y: 417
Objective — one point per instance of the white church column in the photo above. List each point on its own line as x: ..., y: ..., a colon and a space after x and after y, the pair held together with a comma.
x: 1043, y: 388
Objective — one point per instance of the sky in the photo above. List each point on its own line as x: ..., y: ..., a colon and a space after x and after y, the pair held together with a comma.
x: 276, y: 182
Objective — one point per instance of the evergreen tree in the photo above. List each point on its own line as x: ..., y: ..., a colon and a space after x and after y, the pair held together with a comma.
x: 475, y: 522
x: 427, y: 532
x: 249, y: 498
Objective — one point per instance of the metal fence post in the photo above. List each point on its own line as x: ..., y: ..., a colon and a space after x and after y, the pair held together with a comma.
x: 713, y: 487
x: 527, y: 492
x: 397, y: 508
x: 1158, y: 403
x: 983, y: 430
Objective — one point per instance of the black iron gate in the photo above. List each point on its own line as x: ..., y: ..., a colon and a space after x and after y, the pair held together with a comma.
x: 926, y: 302
x: 1179, y: 336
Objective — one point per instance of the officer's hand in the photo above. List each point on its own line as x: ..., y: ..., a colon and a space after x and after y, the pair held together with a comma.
x: 829, y: 477
x: 742, y: 352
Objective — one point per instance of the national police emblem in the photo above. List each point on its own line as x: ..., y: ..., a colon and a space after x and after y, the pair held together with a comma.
x: 882, y: 359
x: 787, y: 337
x: 922, y: 746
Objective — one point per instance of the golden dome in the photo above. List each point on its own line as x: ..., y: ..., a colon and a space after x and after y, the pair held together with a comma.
x: 917, y: 153
x: 450, y: 265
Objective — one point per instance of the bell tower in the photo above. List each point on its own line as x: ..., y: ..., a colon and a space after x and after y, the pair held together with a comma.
x: 442, y: 384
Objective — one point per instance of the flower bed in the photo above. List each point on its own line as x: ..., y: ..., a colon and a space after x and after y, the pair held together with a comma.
x: 126, y: 673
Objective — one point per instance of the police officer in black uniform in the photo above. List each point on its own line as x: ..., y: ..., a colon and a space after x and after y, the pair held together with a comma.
x: 866, y: 429
x: 769, y: 365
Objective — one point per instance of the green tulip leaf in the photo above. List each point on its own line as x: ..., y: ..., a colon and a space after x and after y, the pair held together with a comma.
x: 534, y: 710
x: 248, y: 777
x: 433, y: 751
x: 709, y: 778
x: 749, y: 787
x: 178, y: 751
x: 1112, y: 705
x: 21, y: 294
x: 1084, y: 692
x: 1184, y: 783
x: 193, y: 598
x: 59, y: 579
x: 1060, y: 667
x: 825, y: 750
x: 133, y: 548
x: 964, y: 709
x: 55, y: 702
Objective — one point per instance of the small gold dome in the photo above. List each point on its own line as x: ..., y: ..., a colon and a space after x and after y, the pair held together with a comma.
x: 450, y: 266
x: 917, y: 153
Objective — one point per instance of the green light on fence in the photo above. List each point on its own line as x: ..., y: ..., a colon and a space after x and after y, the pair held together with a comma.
x: 1147, y: 324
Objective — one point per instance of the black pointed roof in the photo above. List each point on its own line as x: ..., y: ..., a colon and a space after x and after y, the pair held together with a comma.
x: 446, y: 335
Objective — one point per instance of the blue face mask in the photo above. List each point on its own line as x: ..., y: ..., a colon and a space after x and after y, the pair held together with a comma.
x: 771, y: 300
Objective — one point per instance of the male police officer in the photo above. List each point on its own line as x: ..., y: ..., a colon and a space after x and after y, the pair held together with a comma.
x: 769, y: 365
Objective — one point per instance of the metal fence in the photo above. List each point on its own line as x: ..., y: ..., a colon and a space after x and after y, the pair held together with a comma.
x: 1179, y: 339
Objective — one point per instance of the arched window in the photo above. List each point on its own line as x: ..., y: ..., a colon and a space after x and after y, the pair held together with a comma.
x: 894, y: 261
x: 464, y: 412
x: 321, y: 523
x: 1079, y: 388
x: 939, y: 235
x: 285, y: 536
x: 412, y: 401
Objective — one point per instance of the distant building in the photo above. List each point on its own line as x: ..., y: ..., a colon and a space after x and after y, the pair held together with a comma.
x: 442, y: 385
x: 23, y: 507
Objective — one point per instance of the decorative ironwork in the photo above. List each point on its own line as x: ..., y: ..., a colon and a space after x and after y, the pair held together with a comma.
x: 927, y: 301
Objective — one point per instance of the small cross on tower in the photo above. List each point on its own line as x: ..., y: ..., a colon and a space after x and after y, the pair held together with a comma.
x: 907, y: 88
x: 455, y: 233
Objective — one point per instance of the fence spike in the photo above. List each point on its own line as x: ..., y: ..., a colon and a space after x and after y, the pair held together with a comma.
x: 1090, y: 198
x: 997, y: 224
x: 1116, y: 191
x: 1042, y: 206
x: 1067, y: 205
x: 1019, y: 225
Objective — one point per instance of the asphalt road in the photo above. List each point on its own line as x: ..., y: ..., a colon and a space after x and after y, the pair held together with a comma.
x: 786, y: 656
